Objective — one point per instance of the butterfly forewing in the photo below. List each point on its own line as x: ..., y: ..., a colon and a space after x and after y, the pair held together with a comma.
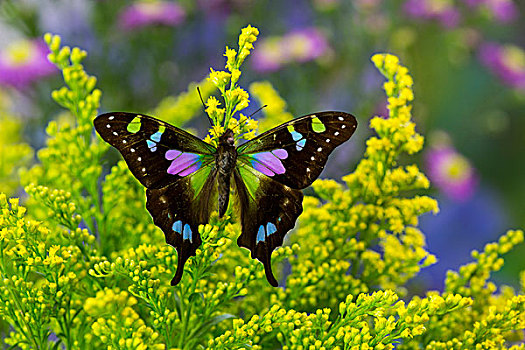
x: 157, y: 153
x: 295, y: 153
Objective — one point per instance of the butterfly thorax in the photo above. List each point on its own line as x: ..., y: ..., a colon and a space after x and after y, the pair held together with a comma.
x: 225, y: 160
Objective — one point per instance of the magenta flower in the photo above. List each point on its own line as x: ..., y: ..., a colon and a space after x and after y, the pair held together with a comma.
x: 442, y: 11
x: 146, y: 13
x: 296, y: 46
x: 23, y: 62
x: 507, y: 62
x: 451, y: 172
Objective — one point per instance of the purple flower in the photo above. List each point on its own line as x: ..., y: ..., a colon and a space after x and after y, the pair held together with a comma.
x: 502, y: 10
x: 507, y: 62
x: 24, y: 62
x: 296, y: 46
x: 451, y: 172
x: 145, y: 13
x: 442, y: 11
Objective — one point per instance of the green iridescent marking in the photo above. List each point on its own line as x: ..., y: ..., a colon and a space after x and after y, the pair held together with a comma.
x: 250, y: 179
x: 162, y: 128
x: 290, y: 128
x: 134, y: 126
x: 318, y: 125
x: 199, y: 177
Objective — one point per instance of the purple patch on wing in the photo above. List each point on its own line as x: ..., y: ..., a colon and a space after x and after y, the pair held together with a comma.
x: 172, y: 154
x: 280, y: 153
x: 190, y: 169
x: 269, y: 161
x: 184, y: 164
x: 261, y: 168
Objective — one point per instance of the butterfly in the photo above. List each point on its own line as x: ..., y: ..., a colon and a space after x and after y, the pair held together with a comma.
x: 186, y: 179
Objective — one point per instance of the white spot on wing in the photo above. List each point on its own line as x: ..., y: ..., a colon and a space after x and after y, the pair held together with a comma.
x: 319, y: 149
x: 343, y: 126
x: 139, y: 159
x: 111, y: 118
x: 336, y: 133
x: 124, y: 141
x: 341, y: 118
x: 132, y: 150
x: 312, y: 158
x: 115, y: 133
x: 108, y: 126
x: 308, y: 169
x: 327, y: 140
x: 144, y: 170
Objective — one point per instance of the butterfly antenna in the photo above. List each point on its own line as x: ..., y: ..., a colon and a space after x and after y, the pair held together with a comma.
x: 204, y: 105
x: 251, y: 115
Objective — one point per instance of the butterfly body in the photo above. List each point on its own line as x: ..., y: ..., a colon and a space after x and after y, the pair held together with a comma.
x: 187, y: 179
x: 225, y: 160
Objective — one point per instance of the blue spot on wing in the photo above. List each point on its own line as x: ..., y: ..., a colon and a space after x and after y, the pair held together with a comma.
x: 300, y: 145
x: 270, y: 228
x: 156, y: 136
x: 187, y: 233
x: 296, y: 135
x: 152, y: 145
x: 261, y: 236
x: 177, y: 226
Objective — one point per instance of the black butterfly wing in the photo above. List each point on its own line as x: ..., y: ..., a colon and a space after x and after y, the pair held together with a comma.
x: 271, y: 170
x: 178, y: 170
x: 295, y: 153
x: 269, y: 210
x: 180, y: 207
x: 150, y: 146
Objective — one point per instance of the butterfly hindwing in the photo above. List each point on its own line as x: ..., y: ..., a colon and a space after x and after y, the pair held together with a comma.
x: 294, y: 153
x: 156, y: 152
x: 180, y: 207
x: 269, y: 210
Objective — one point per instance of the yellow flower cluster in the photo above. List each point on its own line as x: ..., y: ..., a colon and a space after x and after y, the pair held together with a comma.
x: 235, y: 98
x: 80, y: 95
x: 29, y: 249
x: 491, y: 319
x: 370, y: 322
x: 118, y: 325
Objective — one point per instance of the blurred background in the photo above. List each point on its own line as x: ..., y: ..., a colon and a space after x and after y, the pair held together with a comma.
x: 467, y: 58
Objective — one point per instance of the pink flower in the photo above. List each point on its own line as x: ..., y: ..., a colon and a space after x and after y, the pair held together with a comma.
x: 442, y: 11
x: 451, y: 172
x: 24, y: 62
x: 507, y: 62
x: 296, y: 46
x: 146, y: 13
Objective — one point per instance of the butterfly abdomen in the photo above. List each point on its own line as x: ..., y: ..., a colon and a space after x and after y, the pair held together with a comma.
x: 225, y: 160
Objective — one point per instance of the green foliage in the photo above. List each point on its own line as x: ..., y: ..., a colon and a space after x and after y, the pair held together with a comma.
x: 85, y: 264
